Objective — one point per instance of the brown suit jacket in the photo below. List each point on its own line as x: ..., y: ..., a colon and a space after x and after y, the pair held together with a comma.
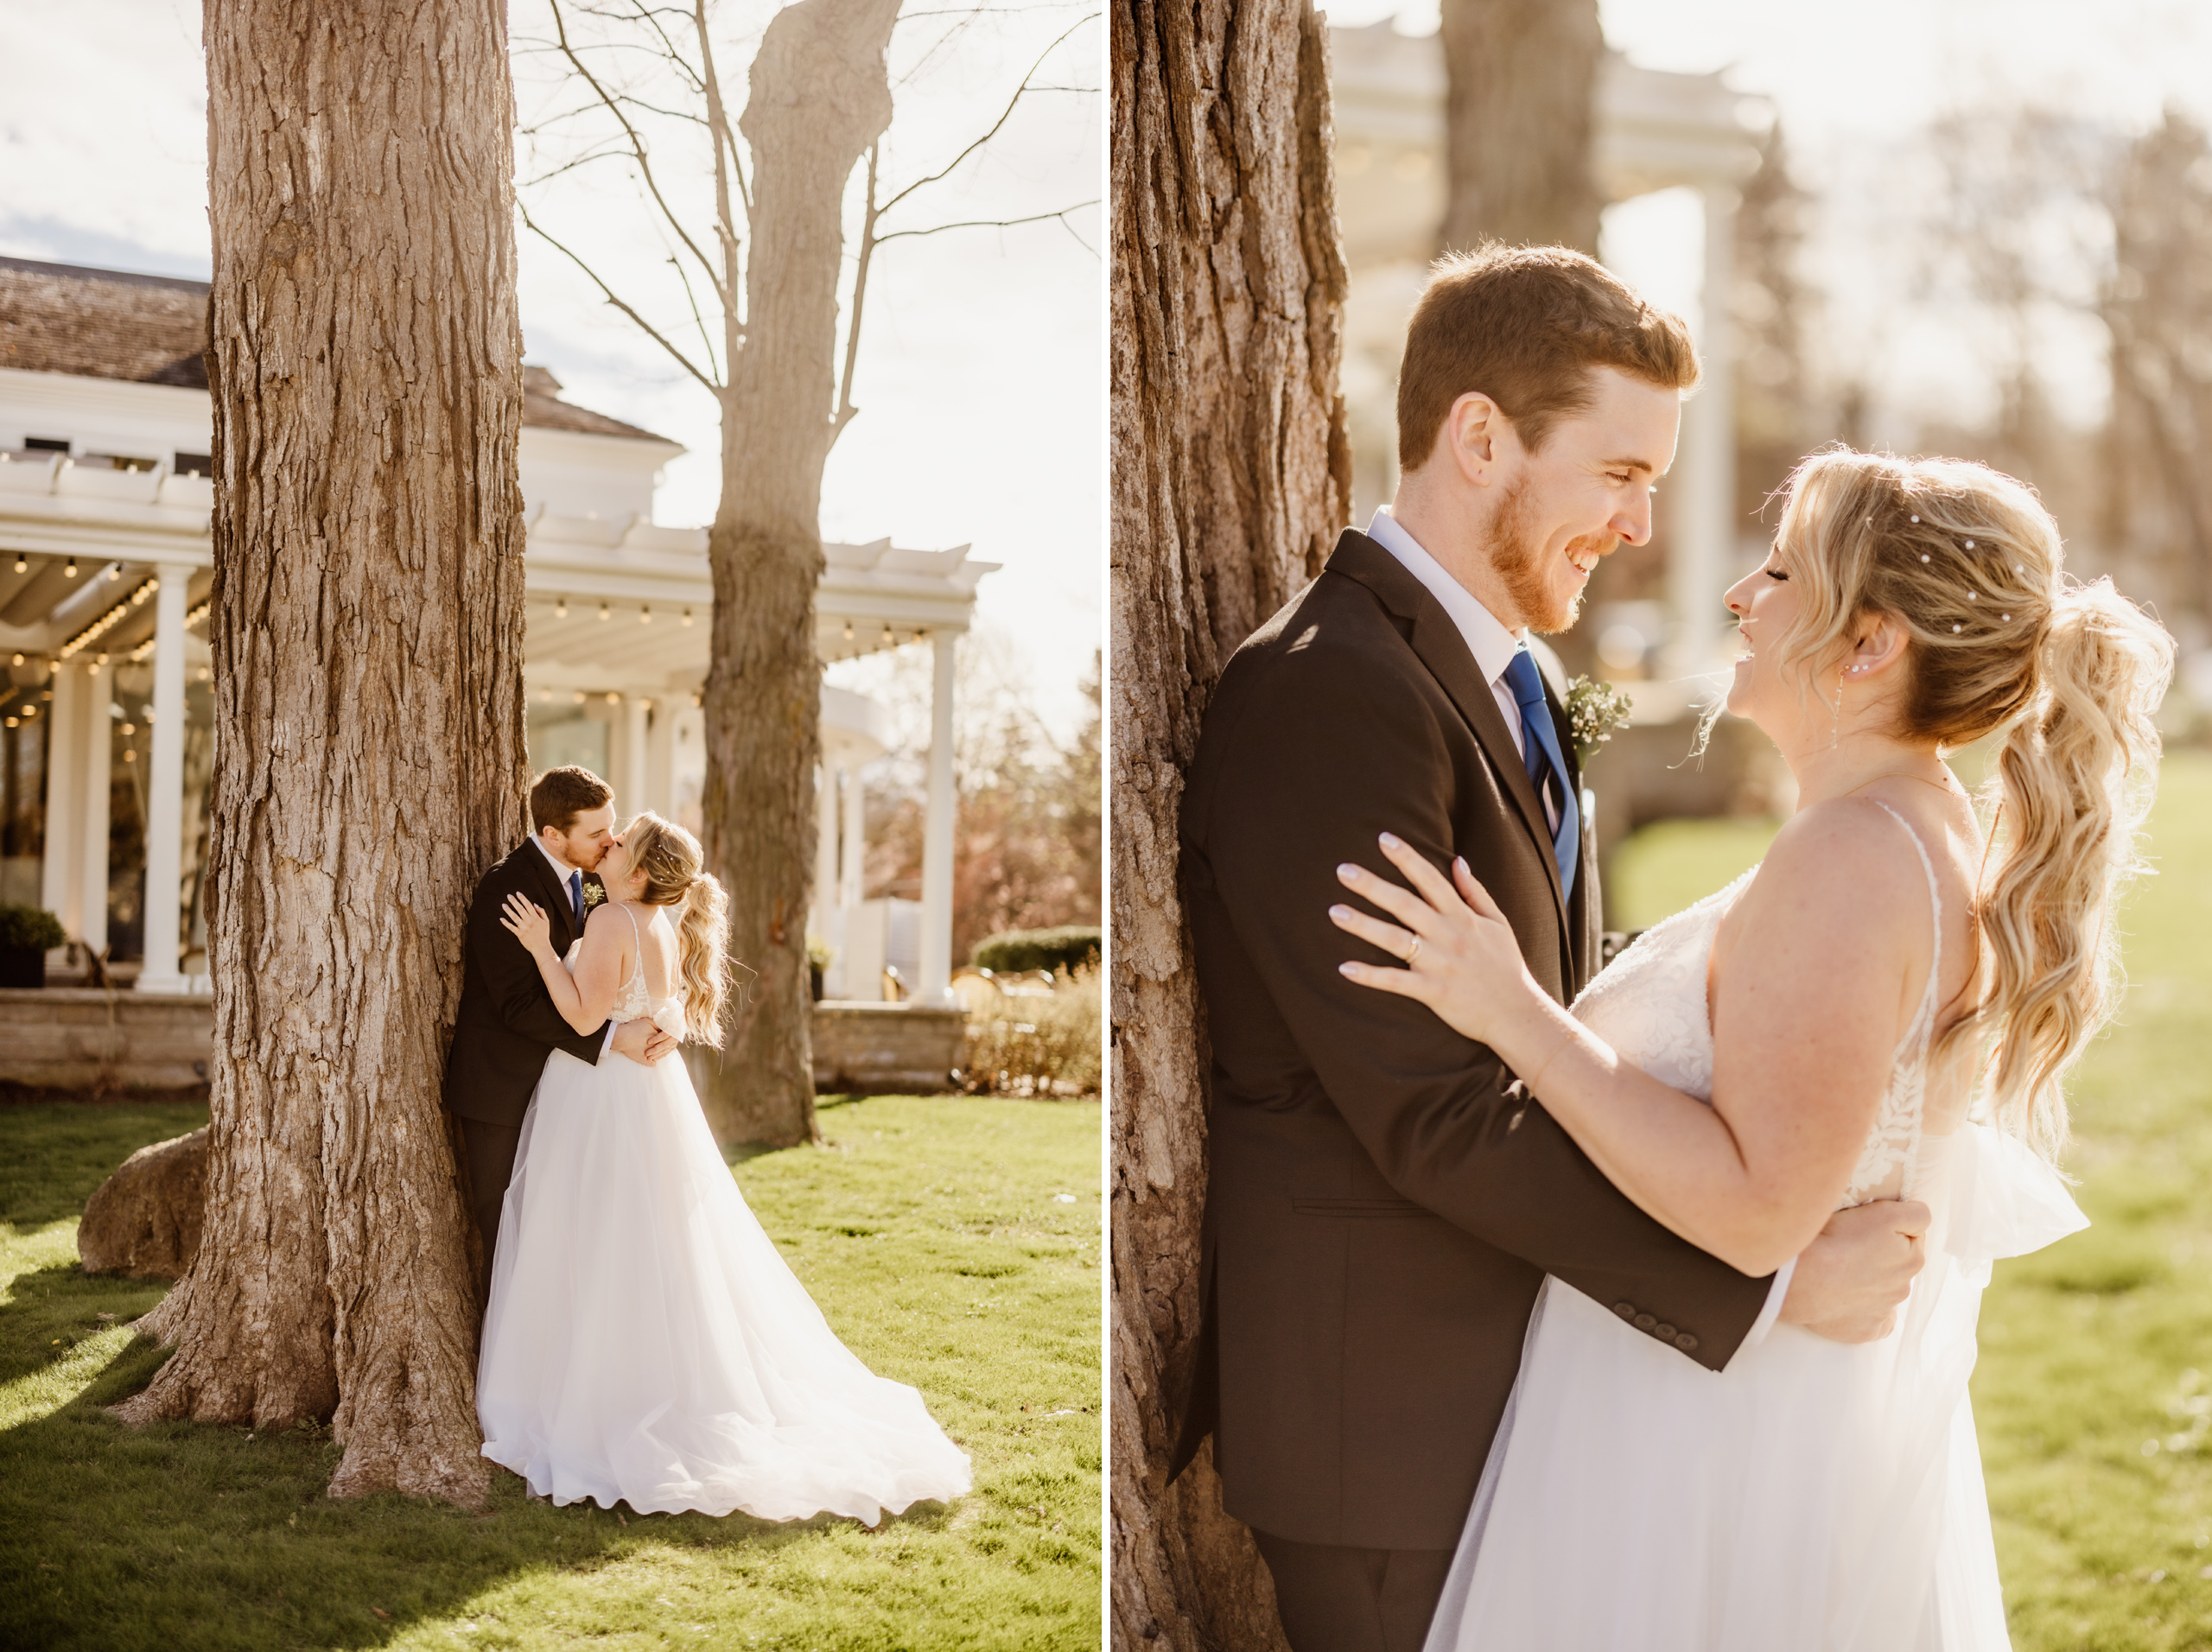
x: 1381, y: 1207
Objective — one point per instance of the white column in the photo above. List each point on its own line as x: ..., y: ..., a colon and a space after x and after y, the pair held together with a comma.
x: 1700, y: 566
x: 660, y: 758
x: 165, y: 789
x: 825, y: 850
x: 97, y: 728
x: 634, y: 799
x: 855, y: 847
x: 936, y: 984
x: 60, y: 885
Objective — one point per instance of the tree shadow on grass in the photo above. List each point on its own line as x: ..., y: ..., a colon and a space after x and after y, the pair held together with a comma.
x: 180, y: 1535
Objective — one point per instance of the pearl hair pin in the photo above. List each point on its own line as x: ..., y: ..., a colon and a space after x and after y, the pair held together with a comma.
x: 1924, y: 555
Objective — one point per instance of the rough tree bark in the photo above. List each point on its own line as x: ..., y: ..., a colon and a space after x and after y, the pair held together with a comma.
x: 1232, y: 475
x: 1522, y: 77
x: 820, y: 96
x: 367, y: 628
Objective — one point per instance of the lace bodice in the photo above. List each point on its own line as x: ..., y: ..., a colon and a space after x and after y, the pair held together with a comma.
x: 1650, y: 1004
x: 634, y: 1002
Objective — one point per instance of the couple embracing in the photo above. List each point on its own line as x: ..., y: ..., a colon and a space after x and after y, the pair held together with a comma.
x: 644, y: 1341
x: 1548, y: 1309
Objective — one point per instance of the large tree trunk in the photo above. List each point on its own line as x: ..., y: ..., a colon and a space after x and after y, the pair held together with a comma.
x: 1232, y: 474
x: 821, y: 95
x: 367, y: 630
x: 1522, y: 78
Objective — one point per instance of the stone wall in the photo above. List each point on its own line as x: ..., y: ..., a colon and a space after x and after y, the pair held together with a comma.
x: 82, y: 1038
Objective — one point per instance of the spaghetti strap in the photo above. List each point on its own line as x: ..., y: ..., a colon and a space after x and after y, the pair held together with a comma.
x: 1905, y: 1106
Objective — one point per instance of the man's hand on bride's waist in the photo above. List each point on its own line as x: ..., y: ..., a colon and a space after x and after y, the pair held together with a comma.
x: 1851, y: 1280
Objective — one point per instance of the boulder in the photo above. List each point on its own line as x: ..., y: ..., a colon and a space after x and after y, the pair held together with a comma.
x: 144, y: 1220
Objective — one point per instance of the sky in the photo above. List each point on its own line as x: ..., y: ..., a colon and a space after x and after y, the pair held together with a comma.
x: 1854, y: 88
x: 981, y: 373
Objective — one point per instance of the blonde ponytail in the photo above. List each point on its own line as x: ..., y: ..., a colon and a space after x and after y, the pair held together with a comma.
x: 2067, y: 679
x: 703, y: 927
x: 2072, y: 785
x: 676, y: 876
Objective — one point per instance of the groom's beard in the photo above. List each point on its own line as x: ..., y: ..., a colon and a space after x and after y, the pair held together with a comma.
x: 1518, y: 557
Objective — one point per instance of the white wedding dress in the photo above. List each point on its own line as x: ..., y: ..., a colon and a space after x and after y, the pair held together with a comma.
x: 645, y: 1341
x: 1810, y: 1496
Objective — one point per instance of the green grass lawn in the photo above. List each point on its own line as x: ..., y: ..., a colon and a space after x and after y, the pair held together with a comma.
x: 2094, y: 1393
x: 931, y: 1232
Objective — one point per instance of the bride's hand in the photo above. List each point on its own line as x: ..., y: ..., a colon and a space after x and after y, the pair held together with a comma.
x: 525, y: 920
x: 1461, y: 957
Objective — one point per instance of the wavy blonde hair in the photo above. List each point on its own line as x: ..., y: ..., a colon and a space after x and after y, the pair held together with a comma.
x: 2068, y: 676
x: 676, y: 876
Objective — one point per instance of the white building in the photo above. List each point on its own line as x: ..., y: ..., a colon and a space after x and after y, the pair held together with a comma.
x: 105, y: 565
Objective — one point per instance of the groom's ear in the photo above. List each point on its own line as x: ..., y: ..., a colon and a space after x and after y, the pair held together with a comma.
x: 1471, y: 434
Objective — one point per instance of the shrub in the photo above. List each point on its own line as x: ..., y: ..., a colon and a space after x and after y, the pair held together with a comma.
x: 31, y: 928
x: 1071, y: 947
x: 1039, y: 1042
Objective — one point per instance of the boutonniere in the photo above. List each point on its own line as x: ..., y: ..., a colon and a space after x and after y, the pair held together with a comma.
x: 1595, y: 709
x: 592, y: 895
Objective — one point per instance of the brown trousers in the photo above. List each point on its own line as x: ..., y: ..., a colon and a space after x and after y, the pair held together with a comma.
x: 1335, y: 1599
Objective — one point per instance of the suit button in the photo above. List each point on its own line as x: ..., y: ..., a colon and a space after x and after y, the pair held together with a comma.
x: 1626, y: 1310
x: 1645, y: 1321
x: 1663, y: 1331
x: 1687, y: 1343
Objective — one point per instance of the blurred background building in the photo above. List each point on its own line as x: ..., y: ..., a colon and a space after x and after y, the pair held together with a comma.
x: 105, y: 565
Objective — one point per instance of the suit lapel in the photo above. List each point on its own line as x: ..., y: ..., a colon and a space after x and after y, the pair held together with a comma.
x: 1440, y: 647
x: 560, y: 910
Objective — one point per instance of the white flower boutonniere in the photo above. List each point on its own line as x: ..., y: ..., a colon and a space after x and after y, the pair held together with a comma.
x: 594, y: 894
x: 1595, y: 709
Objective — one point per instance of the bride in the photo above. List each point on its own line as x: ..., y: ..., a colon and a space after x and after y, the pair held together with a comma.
x: 645, y: 1342
x: 1810, y: 1038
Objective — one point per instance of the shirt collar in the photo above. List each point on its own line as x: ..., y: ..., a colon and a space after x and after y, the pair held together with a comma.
x: 563, y: 873
x: 1488, y: 640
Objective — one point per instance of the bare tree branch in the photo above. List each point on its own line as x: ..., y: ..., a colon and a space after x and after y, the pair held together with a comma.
x: 725, y: 140
x: 1005, y: 115
x: 645, y: 327
x: 638, y: 145
x: 843, y: 416
x: 998, y: 224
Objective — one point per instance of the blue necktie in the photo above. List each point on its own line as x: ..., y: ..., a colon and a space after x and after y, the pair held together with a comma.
x: 1540, y: 745
x: 577, y: 896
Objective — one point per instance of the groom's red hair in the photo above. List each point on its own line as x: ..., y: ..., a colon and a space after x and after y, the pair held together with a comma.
x: 1525, y: 325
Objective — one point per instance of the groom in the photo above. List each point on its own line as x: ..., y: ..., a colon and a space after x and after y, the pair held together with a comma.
x: 1382, y: 1201
x: 507, y: 1026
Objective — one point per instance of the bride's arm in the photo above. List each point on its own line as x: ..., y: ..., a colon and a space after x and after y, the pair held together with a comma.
x: 1807, y: 1017
x: 586, y: 998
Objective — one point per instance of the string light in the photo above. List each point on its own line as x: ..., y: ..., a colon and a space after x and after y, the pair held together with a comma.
x: 686, y: 616
x: 560, y: 608
x: 888, y: 639
x: 604, y: 612
x: 22, y: 564
x: 114, y: 571
x: 614, y: 699
x: 849, y: 630
x: 645, y: 614
x: 70, y: 572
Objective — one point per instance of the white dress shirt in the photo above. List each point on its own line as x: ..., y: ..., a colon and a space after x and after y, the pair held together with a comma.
x: 563, y: 871
x: 1493, y: 647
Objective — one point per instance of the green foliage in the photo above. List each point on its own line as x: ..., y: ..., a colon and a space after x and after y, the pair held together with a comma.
x: 1042, y: 1042
x: 931, y: 1231
x: 2094, y: 1391
x: 30, y: 927
x: 1063, y: 949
